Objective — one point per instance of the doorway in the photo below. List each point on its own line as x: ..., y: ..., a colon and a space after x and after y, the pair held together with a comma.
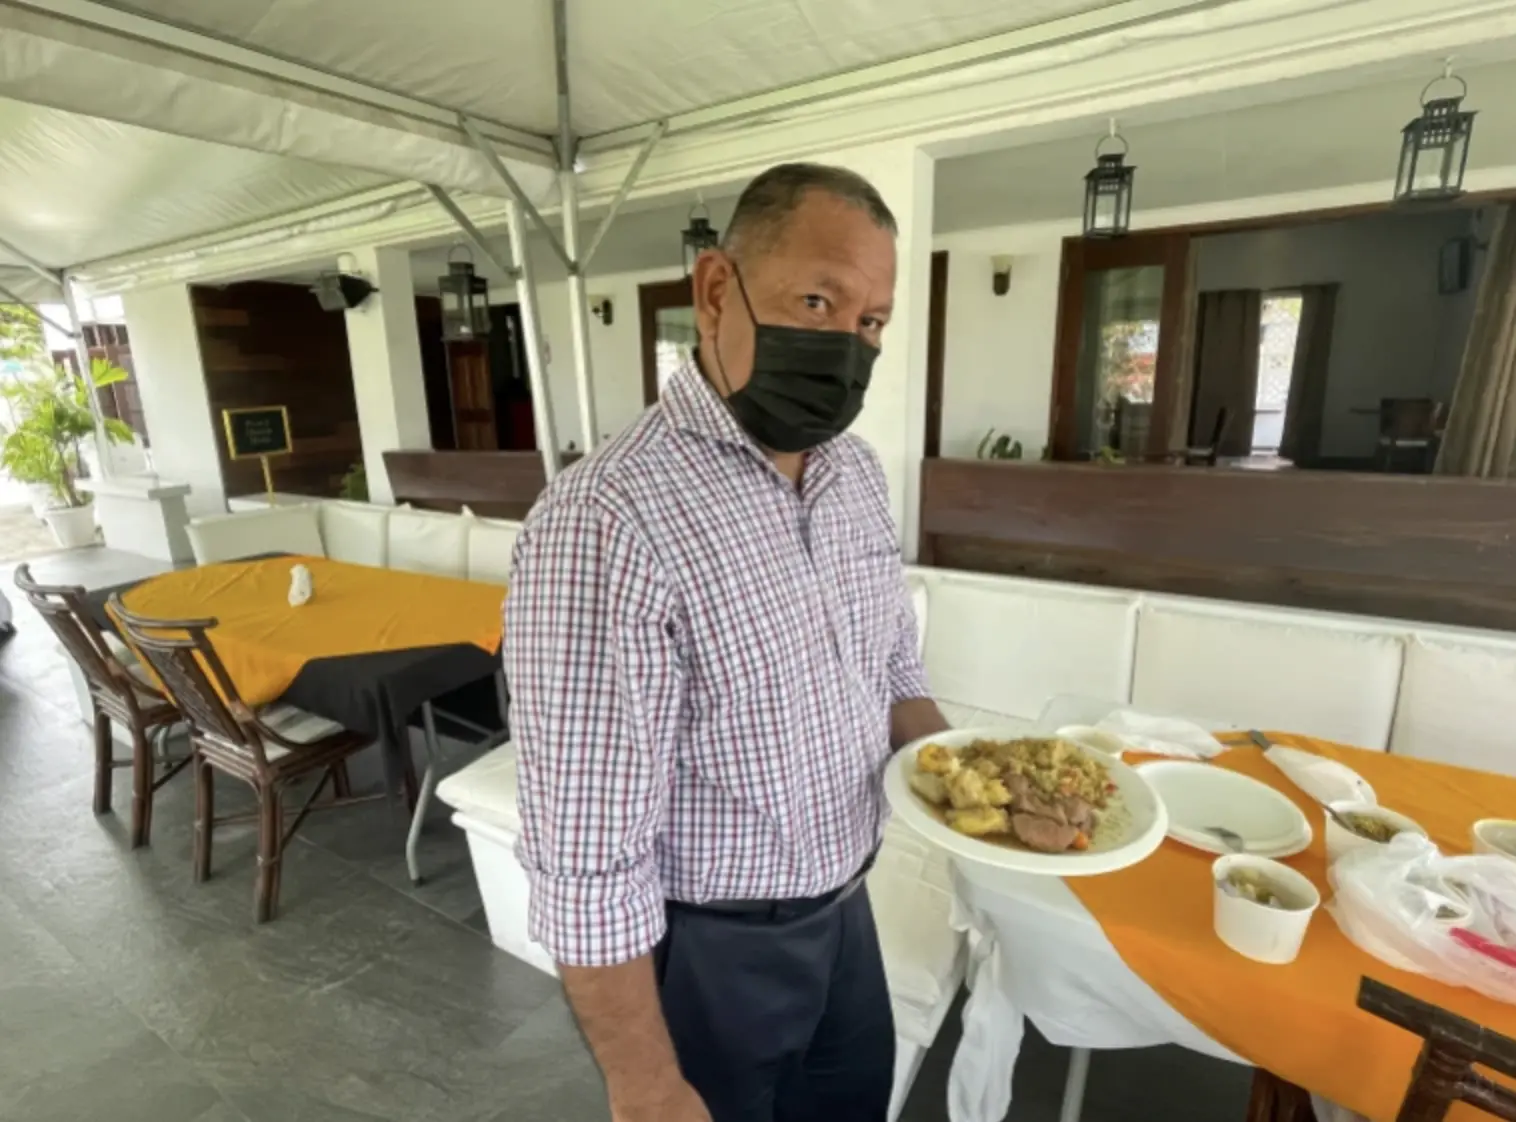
x: 1122, y: 347
x: 669, y: 335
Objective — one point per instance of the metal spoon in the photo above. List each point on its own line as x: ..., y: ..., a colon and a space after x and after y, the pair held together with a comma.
x: 1231, y: 839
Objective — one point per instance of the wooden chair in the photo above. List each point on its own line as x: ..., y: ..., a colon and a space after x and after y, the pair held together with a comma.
x: 1444, y: 1073
x: 118, y: 692
x: 271, y: 750
x: 1408, y: 424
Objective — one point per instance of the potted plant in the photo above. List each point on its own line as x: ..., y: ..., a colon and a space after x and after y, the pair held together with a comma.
x: 51, y: 420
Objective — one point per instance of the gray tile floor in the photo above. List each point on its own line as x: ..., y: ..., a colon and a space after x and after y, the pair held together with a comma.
x: 127, y: 992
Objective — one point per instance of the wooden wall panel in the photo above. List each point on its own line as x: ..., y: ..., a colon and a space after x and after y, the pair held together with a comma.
x: 264, y: 343
x: 491, y: 484
x: 1438, y: 550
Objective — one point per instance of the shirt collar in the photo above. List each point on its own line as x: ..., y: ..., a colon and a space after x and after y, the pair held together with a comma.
x: 693, y: 404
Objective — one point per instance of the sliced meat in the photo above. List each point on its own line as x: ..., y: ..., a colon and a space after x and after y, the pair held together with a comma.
x: 1077, y: 812
x: 1043, y: 834
x: 1043, y: 806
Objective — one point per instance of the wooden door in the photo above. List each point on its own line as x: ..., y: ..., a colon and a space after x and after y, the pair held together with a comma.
x: 668, y: 330
x: 473, y: 397
x: 936, y: 345
x: 1121, y: 360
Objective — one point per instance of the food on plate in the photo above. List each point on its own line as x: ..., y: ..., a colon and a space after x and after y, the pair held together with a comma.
x: 1367, y: 826
x: 1252, y: 885
x: 1041, y: 792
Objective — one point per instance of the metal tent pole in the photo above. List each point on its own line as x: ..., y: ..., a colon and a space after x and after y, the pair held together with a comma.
x: 471, y: 232
x: 568, y: 192
x: 536, y: 357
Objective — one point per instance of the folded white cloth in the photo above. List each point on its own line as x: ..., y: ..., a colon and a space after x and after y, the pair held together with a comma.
x: 1161, y: 736
x: 1326, y: 781
x: 301, y: 586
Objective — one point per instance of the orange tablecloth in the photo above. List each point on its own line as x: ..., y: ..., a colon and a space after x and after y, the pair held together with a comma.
x: 1300, y: 1021
x: 356, y: 609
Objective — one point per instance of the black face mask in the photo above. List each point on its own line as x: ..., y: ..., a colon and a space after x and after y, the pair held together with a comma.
x: 807, y: 386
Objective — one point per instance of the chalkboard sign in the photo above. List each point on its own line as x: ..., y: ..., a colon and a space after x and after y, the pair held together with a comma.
x: 262, y: 431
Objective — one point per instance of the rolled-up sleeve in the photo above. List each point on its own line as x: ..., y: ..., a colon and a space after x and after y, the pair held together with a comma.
x: 906, y: 672
x: 595, y: 696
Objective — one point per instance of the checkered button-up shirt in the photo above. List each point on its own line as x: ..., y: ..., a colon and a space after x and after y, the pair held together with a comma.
x: 702, y: 661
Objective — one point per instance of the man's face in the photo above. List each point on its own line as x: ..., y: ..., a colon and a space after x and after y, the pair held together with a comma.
x: 831, y: 268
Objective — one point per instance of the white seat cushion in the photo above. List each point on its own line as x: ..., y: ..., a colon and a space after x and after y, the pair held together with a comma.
x: 1007, y: 645
x: 490, y: 545
x: 1235, y: 666
x: 486, y: 789
x: 423, y: 542
x: 294, y: 723
x: 911, y: 890
x: 1458, y: 703
x: 283, y: 529
x: 356, y: 533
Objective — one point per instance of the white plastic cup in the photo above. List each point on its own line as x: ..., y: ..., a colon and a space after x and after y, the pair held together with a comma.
x: 1494, y: 835
x: 1340, y: 841
x: 1257, y: 931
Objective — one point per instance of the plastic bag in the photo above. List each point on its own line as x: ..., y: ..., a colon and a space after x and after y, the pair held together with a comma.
x: 1451, y: 918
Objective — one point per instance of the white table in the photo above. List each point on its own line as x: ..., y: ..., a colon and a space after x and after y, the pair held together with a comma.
x: 1038, y: 952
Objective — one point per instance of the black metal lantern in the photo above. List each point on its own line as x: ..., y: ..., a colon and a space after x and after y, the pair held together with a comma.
x: 1108, y: 191
x: 698, y: 237
x: 465, y: 300
x: 1434, y: 148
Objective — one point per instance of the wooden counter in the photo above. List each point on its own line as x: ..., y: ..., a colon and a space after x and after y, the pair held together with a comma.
x: 1424, y: 548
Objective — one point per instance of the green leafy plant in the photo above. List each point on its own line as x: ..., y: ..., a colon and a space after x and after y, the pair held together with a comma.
x: 999, y: 448
x: 20, y: 334
x: 51, y: 419
x: 355, y: 484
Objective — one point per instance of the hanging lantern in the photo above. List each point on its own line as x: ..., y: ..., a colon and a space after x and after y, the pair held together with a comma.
x: 698, y: 237
x: 1108, y: 190
x: 465, y: 300
x: 1434, y: 148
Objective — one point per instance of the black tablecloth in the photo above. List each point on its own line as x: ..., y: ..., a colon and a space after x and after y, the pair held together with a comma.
x: 379, y: 694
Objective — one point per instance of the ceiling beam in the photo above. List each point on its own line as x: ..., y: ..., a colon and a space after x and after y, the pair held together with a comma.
x: 512, y: 142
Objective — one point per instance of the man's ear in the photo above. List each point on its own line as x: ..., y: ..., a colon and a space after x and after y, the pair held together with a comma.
x: 711, y: 286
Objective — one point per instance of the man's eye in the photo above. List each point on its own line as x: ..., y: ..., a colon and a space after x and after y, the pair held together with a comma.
x: 816, y: 302
x: 871, y: 323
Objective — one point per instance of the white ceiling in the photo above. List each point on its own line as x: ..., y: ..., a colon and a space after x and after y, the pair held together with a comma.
x: 1336, y: 139
x: 630, y: 61
x: 76, y: 188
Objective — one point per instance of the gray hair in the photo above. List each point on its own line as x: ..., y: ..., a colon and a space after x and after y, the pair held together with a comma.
x: 768, y: 201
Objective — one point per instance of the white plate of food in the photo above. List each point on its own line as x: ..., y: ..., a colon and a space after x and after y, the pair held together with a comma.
x: 1033, y: 804
x: 1200, y: 796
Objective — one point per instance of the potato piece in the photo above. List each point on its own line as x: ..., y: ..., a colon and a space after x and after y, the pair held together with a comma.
x: 996, y: 793
x: 980, y: 821
x: 929, y: 787
x: 936, y: 759
x: 986, y: 767
x: 966, y: 789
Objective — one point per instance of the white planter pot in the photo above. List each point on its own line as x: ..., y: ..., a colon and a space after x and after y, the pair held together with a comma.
x: 42, y: 498
x: 72, y: 526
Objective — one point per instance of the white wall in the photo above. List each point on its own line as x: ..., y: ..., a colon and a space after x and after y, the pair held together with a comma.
x: 175, y: 401
x: 1393, y: 335
x: 998, y: 357
x: 615, y: 350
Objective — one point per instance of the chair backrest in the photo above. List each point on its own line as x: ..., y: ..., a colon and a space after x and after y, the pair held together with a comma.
x: 64, y: 609
x: 181, y: 656
x: 1407, y: 418
x: 295, y: 530
x: 1444, y: 1073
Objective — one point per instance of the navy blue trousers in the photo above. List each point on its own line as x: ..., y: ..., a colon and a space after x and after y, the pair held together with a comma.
x: 780, y: 1019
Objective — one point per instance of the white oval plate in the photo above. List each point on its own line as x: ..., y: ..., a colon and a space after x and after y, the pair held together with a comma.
x: 1145, y: 826
x: 1198, y: 795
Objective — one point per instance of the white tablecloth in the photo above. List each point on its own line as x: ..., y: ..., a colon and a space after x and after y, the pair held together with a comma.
x: 1037, y: 952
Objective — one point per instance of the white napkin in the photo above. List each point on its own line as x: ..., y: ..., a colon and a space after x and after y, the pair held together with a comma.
x: 1161, y: 736
x: 1326, y: 781
x: 301, y: 588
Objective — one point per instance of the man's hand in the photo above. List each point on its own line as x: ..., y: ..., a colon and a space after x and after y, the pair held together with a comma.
x: 620, y: 1015
x: 681, y: 1104
x: 914, y: 718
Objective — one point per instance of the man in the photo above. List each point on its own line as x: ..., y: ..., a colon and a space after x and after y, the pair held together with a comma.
x: 712, y: 654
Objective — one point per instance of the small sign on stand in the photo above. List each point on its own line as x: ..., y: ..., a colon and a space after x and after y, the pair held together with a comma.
x: 260, y: 431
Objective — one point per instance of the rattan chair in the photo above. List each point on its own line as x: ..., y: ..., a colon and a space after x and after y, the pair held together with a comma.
x: 271, y: 750
x: 119, y: 691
